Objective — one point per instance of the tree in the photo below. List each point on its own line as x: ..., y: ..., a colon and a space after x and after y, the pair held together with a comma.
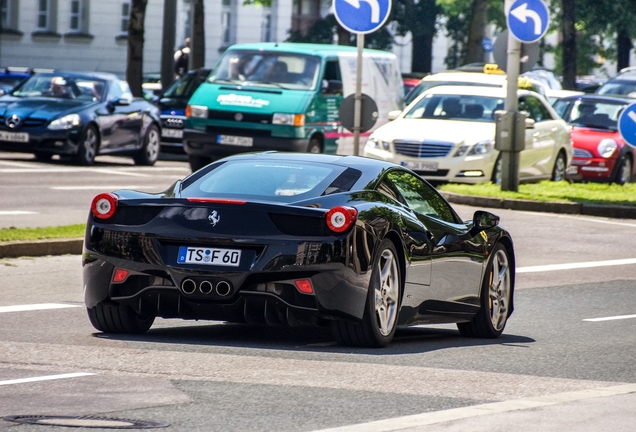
x: 476, y: 30
x: 134, y: 66
x: 419, y: 17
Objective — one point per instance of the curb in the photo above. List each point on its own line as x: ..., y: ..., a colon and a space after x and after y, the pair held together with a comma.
x: 41, y: 248
x: 74, y: 246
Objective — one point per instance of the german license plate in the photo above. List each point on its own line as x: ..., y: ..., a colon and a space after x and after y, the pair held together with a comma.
x: 420, y: 165
x: 172, y: 133
x: 235, y: 140
x: 21, y: 137
x: 209, y: 256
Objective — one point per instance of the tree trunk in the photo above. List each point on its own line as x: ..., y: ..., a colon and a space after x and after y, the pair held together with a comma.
x: 569, y: 44
x: 422, y: 53
x: 197, y: 42
x: 476, y: 30
x: 135, y: 65
x: 624, y: 46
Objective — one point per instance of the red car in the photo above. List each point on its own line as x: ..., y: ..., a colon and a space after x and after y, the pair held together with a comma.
x: 600, y: 153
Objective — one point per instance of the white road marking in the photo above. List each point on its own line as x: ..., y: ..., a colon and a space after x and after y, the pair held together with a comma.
x: 16, y: 212
x: 416, y: 421
x: 571, y: 266
x: 612, y: 318
x: 35, y: 307
x: 109, y: 188
x: 45, y: 378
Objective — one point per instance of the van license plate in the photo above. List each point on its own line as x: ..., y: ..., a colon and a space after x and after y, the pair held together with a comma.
x: 235, y: 140
x: 209, y: 256
x: 420, y: 165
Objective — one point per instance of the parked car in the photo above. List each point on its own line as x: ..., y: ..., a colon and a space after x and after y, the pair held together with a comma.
x: 600, y: 153
x: 172, y: 103
x: 352, y: 243
x: 448, y: 133
x: 623, y: 83
x: 81, y: 116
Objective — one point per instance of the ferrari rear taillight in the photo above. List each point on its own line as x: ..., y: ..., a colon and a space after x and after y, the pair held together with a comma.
x: 104, y: 205
x: 340, y: 219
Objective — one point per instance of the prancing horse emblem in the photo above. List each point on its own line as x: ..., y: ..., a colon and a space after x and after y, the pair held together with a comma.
x: 214, y: 218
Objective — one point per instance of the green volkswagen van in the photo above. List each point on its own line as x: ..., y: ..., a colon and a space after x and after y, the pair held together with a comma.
x: 285, y: 97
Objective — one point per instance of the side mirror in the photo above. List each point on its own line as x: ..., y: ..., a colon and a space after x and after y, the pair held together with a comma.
x: 123, y: 101
x: 530, y: 123
x: 332, y: 87
x: 394, y: 114
x: 483, y: 220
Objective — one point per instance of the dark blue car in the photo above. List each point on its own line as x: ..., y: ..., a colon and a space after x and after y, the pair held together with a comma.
x: 80, y: 116
x: 172, y: 105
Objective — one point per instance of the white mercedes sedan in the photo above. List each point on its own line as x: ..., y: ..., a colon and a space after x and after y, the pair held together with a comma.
x: 447, y: 134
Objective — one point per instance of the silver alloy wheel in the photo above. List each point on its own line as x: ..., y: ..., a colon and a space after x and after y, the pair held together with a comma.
x: 153, y: 144
x: 558, y: 173
x: 499, y: 290
x: 90, y: 145
x: 387, y: 292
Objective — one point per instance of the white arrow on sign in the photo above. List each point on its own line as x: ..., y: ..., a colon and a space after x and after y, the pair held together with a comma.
x: 522, y: 13
x: 375, y: 8
x: 632, y: 115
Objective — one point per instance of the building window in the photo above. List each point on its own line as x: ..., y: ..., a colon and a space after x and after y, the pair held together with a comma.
x: 76, y: 15
x: 266, y: 27
x: 125, y: 16
x: 5, y: 14
x: 227, y: 35
x: 44, y: 14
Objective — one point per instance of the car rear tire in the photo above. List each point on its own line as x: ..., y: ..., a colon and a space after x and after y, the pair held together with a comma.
x: 558, y: 172
x: 496, y: 171
x: 380, y: 318
x: 314, y: 146
x: 149, y: 152
x: 624, y: 172
x: 198, y: 162
x: 495, y: 298
x: 118, y: 319
x: 89, y: 146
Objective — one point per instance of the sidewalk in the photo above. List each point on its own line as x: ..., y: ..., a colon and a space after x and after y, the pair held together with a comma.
x: 74, y: 246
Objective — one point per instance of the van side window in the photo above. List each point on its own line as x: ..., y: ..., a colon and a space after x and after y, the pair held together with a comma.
x: 332, y: 78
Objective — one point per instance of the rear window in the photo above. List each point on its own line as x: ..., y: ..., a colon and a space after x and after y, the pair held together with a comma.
x: 281, y: 181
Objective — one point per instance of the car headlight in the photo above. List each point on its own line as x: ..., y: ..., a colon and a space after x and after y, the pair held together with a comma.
x: 197, y: 111
x: 66, y: 122
x: 482, y: 147
x: 288, y: 119
x: 378, y: 144
x: 607, y: 147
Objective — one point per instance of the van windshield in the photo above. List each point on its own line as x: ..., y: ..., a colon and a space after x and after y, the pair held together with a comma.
x: 268, y: 68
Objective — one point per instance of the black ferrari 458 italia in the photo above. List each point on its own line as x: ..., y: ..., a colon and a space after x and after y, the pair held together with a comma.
x: 79, y: 115
x: 357, y: 244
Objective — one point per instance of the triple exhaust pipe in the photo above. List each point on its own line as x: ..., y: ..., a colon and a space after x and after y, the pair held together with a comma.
x: 222, y: 288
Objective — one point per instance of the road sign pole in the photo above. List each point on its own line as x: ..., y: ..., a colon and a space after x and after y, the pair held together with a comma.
x: 358, y: 103
x: 510, y: 159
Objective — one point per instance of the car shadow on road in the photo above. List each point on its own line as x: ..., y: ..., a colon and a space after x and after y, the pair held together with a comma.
x: 420, y: 339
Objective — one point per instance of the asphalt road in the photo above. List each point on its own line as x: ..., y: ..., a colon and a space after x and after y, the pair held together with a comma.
x: 565, y: 361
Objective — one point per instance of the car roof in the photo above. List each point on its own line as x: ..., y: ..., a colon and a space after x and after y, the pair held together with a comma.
x: 593, y: 97
x: 305, y: 48
x: 86, y: 75
x: 475, y: 91
x: 471, y: 77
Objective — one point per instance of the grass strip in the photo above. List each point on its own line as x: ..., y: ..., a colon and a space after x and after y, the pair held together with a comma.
x: 547, y: 191
x: 59, y: 232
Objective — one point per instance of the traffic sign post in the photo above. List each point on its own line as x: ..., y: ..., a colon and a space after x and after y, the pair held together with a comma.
x: 627, y: 124
x: 528, y: 21
x: 360, y: 17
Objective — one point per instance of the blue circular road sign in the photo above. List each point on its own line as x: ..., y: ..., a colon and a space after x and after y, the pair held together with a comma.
x: 487, y: 44
x: 528, y: 20
x: 627, y: 124
x: 361, y: 16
